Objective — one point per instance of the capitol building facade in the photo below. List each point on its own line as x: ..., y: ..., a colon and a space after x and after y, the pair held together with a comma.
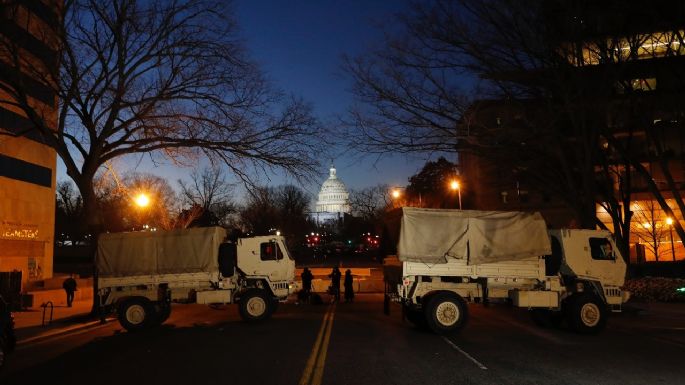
x: 333, y: 202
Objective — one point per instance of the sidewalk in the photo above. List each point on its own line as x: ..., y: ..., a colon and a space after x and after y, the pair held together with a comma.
x: 28, y: 324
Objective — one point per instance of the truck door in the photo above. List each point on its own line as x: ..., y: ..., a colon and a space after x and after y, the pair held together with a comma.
x: 272, y: 261
x: 605, y: 261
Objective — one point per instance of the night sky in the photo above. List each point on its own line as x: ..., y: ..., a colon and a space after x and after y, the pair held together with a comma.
x: 299, y: 45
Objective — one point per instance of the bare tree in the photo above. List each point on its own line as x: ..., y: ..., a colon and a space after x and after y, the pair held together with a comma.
x: 281, y: 208
x: 651, y: 228
x: 564, y: 72
x: 370, y: 203
x: 69, y: 211
x: 211, y: 193
x: 117, y: 201
x: 155, y: 78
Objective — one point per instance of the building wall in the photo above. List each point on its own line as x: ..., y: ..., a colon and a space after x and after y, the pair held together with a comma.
x: 27, y: 166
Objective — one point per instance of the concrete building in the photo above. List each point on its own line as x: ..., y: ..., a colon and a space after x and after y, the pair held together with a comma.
x: 333, y: 201
x: 27, y: 165
x: 632, y: 54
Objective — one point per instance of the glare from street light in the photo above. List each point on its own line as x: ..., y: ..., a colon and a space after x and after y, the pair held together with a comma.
x: 142, y: 200
x: 454, y: 185
x: 395, y: 193
x: 669, y: 221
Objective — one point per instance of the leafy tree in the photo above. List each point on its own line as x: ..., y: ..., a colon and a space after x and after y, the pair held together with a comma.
x: 160, y: 78
x: 432, y: 183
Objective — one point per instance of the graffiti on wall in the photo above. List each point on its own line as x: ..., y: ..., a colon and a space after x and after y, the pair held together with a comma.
x: 16, y: 230
x: 35, y: 271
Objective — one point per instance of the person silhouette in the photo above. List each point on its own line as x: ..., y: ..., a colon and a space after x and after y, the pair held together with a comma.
x: 349, y: 290
x: 335, y: 283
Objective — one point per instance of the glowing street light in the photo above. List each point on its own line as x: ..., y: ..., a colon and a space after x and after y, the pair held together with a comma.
x: 142, y: 200
x: 455, y: 186
x: 669, y: 222
x: 396, y: 193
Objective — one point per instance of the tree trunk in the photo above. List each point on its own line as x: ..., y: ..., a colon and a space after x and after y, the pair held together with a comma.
x: 92, y: 223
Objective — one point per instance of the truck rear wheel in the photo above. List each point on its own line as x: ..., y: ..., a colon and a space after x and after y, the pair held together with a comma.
x: 445, y: 312
x: 586, y: 313
x: 255, y: 305
x: 135, y: 314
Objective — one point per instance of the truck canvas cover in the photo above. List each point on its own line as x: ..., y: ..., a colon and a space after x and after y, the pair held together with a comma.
x: 159, y: 252
x: 433, y: 235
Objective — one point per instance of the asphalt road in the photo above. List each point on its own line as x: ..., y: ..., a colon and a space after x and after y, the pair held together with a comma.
x: 355, y: 344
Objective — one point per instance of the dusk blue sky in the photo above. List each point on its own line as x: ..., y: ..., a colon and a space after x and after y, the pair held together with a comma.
x: 299, y: 45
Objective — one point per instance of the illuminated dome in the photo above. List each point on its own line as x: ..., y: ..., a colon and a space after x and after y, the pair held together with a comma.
x: 334, y: 200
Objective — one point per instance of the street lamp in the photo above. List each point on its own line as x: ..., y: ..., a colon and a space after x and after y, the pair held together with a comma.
x: 396, y: 193
x: 455, y: 186
x: 142, y: 200
x: 669, y: 222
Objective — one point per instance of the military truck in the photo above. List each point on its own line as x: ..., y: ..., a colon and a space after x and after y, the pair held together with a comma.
x: 444, y: 259
x: 141, y: 273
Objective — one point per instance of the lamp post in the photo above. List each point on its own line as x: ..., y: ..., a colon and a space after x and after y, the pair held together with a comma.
x: 669, y: 222
x: 455, y: 186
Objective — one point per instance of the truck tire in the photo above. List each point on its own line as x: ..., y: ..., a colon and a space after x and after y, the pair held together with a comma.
x: 586, y: 313
x: 135, y: 314
x: 255, y: 305
x: 445, y: 312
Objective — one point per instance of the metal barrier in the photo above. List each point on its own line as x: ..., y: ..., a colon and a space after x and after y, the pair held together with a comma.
x: 45, y: 307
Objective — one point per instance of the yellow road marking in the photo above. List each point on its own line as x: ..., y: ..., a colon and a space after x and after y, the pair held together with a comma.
x: 321, y: 362
x: 317, y: 358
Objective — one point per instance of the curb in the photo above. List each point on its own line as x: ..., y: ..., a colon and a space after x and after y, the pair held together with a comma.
x: 26, y: 342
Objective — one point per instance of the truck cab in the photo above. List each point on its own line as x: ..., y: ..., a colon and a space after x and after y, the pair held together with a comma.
x: 590, y: 254
x: 267, y: 257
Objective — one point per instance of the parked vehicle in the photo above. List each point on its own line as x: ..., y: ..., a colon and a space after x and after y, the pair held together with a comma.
x: 447, y: 258
x: 7, y: 338
x: 141, y: 273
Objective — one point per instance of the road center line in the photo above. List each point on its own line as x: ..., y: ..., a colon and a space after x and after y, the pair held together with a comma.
x: 321, y: 362
x: 457, y: 348
x: 307, y: 373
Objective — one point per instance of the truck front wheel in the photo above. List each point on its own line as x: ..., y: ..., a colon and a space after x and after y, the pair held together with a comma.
x: 445, y: 312
x: 586, y: 314
x: 135, y: 314
x: 255, y: 305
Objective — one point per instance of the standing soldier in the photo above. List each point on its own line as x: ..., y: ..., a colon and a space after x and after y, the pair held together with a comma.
x: 69, y: 286
x: 349, y: 290
x: 335, y: 283
x: 307, y: 277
